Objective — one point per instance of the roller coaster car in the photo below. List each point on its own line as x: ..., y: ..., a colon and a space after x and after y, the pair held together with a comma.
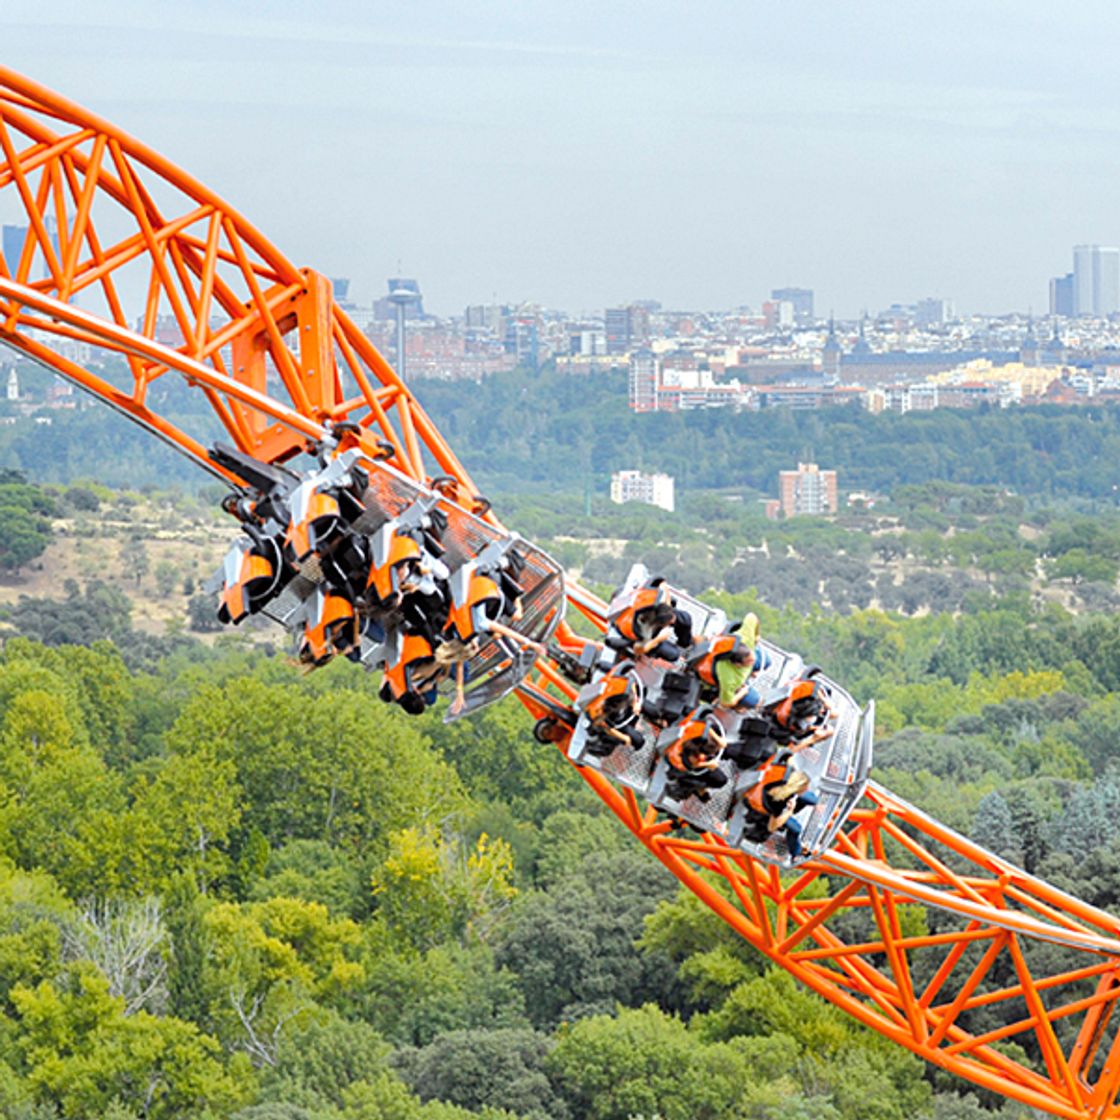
x: 330, y: 628
x: 251, y: 573
x: 837, y: 767
x: 344, y: 519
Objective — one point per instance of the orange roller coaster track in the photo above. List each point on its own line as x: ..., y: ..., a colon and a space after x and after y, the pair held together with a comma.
x: 918, y: 933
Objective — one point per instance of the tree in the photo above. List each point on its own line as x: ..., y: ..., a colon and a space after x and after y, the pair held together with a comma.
x: 59, y: 793
x: 82, y: 498
x: 127, y: 942
x: 190, y: 811
x: 167, y: 575
x: 23, y: 536
x: 573, y: 947
x: 500, y: 1068
x: 413, y: 998
x: 432, y: 888
x: 33, y: 911
x: 134, y: 558
x: 80, y: 1052
x: 864, y: 1076
x: 202, y: 613
x: 646, y: 1063
x: 270, y: 963
x: 315, y: 871
x: 995, y: 829
x: 82, y: 618
x: 319, y: 1059
x: 187, y: 993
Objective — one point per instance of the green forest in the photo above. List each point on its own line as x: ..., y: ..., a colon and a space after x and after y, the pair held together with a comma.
x: 229, y: 889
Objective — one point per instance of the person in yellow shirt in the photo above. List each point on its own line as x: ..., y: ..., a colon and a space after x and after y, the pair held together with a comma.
x: 736, y: 670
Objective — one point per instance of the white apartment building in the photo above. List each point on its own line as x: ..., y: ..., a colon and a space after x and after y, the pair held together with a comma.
x: 636, y: 486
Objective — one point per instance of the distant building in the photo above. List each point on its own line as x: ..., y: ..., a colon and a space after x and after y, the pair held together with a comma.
x: 587, y: 342
x: 617, y: 326
x: 1096, y: 280
x: 649, y: 489
x: 801, y: 301
x: 340, y: 288
x: 1061, y: 295
x: 522, y: 339
x: 904, y: 398
x: 778, y: 313
x: 807, y: 490
x: 413, y: 307
x: 643, y: 381
x: 13, y: 385
x: 932, y: 312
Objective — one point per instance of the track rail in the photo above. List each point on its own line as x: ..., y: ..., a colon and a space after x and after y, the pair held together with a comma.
x: 910, y: 928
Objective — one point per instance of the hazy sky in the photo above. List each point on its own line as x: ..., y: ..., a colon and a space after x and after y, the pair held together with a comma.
x: 584, y: 154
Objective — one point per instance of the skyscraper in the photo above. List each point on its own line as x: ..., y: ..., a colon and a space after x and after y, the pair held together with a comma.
x: 12, y: 240
x: 932, y: 312
x: 643, y: 381
x: 1061, y: 295
x: 1096, y: 280
x: 617, y: 325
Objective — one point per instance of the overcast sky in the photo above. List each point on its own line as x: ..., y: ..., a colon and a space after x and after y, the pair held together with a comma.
x: 584, y: 153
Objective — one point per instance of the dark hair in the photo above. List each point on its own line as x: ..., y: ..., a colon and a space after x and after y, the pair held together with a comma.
x: 615, y: 707
x: 413, y: 703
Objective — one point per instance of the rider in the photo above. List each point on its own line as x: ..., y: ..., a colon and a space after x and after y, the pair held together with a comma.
x: 693, y: 757
x: 613, y: 709
x: 727, y: 664
x: 413, y: 679
x: 772, y: 802
x: 651, y: 624
x: 803, y: 717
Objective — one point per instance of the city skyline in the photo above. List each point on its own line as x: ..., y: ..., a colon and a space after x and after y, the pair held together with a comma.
x: 575, y: 154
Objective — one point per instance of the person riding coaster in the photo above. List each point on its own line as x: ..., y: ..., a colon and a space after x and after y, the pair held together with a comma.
x: 727, y: 664
x: 802, y: 717
x: 480, y: 611
x: 315, y: 519
x: 331, y: 629
x: 650, y: 624
x: 412, y: 678
x: 794, y: 720
x: 404, y: 556
x: 612, y: 705
x: 692, y: 750
x: 252, y: 572
x: 780, y: 792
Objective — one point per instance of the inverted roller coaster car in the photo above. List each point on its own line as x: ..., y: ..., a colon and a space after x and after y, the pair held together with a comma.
x: 352, y: 531
x: 837, y: 767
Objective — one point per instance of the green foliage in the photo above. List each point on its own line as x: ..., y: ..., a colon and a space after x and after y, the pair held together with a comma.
x: 81, y: 1053
x: 82, y: 618
x: 573, y: 946
x: 502, y: 1068
x: 375, y: 918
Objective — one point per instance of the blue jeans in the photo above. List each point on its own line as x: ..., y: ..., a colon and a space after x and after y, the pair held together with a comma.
x: 793, y: 826
x: 761, y: 661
